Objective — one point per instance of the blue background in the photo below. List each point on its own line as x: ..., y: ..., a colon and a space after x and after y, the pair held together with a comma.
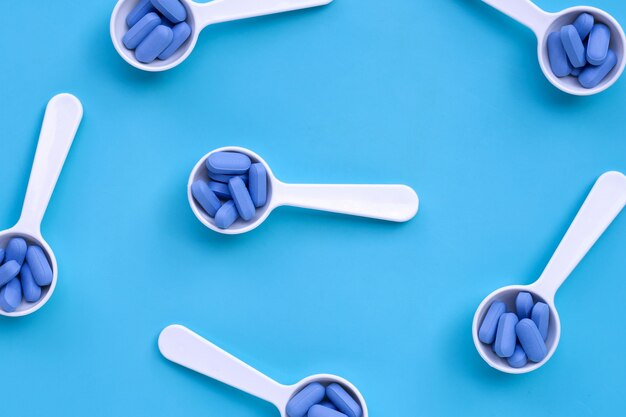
x: 445, y: 96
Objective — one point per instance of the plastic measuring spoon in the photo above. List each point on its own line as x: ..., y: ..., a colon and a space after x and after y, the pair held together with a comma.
x: 63, y: 115
x: 397, y: 203
x: 199, y: 16
x: 182, y: 346
x: 543, y: 23
x: 605, y: 201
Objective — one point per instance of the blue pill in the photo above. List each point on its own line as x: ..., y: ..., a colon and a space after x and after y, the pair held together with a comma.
x: 531, y: 340
x: 519, y: 358
x: 205, y: 197
x: 319, y: 410
x: 8, y: 271
x: 487, y: 331
x: 226, y: 215
x: 583, y: 25
x: 598, y: 44
x: 181, y: 33
x: 505, y: 336
x: 39, y: 266
x: 32, y: 291
x: 558, y: 57
x: 301, y: 403
x: 523, y: 305
x: 541, y: 317
x: 11, y: 296
x: 140, y: 30
x: 592, y: 76
x: 343, y: 401
x: 155, y: 43
x: 576, y: 72
x: 242, y: 198
x: 328, y: 404
x: 173, y: 10
x: 16, y: 250
x: 573, y: 46
x: 228, y: 163
x: 257, y: 184
x: 1, y: 255
x: 220, y: 189
x: 225, y: 178
x: 143, y: 8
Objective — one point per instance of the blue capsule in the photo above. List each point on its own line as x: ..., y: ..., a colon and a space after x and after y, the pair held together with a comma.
x: 242, y: 198
x: 226, y: 215
x: 16, y: 250
x: 154, y: 44
x: 531, y: 340
x: 205, y: 197
x: 487, y: 331
x: 573, y: 46
x: 181, y: 32
x: 141, y: 30
x: 518, y: 359
x: 32, y: 291
x: 504, y: 345
x: 319, y: 410
x: 173, y: 10
x: 583, y: 24
x: 143, y: 8
x: 39, y: 266
x: 11, y: 296
x: 228, y: 163
x: 257, y: 184
x: 592, y: 76
x: 541, y: 316
x: 8, y: 271
x: 558, y: 57
x: 523, y: 305
x: 343, y: 401
x: 598, y: 44
x: 301, y: 403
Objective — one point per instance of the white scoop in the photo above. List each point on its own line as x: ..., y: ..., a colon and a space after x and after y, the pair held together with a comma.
x: 605, y: 201
x: 182, y: 346
x: 397, y: 203
x: 199, y: 16
x: 61, y: 121
x: 543, y: 23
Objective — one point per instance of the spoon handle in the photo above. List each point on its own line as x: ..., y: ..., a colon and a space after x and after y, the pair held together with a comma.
x: 63, y: 116
x: 605, y: 201
x: 184, y: 347
x: 397, y: 203
x: 218, y: 11
x: 524, y: 11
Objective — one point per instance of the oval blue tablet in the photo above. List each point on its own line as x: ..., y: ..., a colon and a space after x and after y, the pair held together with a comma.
x: 343, y: 401
x: 140, y: 30
x: 39, y: 266
x: 16, y: 250
x: 8, y: 271
x: 182, y: 32
x: 205, y: 197
x: 257, y: 184
x: 155, y: 43
x: 242, y: 198
x: 32, y: 291
x: 143, y: 8
x: 541, y: 316
x: 226, y: 215
x: 223, y: 178
x: 173, y: 10
x: 504, y: 345
x: 487, y: 331
x: 220, y: 189
x: 592, y: 76
x: 319, y: 410
x: 583, y: 25
x: 573, y: 46
x: 598, y: 44
x: 11, y: 296
x: 228, y: 163
x: 523, y: 305
x: 531, y: 340
x: 518, y: 359
x: 299, y: 404
x: 558, y: 57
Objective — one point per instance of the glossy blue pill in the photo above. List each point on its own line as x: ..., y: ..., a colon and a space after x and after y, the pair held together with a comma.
x: 598, y: 44
x: 242, y: 198
x: 8, y: 271
x: 343, y: 401
x: 487, y: 331
x: 328, y: 404
x: 228, y: 163
x: 531, y: 340
x: 39, y: 265
x: 140, y: 30
x: 573, y: 46
x: 257, y: 184
x: 226, y: 215
x: 173, y: 10
x: 583, y: 25
x: 319, y: 410
x: 11, y: 296
x: 300, y: 404
x: 181, y: 33
x: 143, y: 8
x: 505, y: 336
x: 205, y: 197
x: 223, y: 178
x: 518, y: 359
x: 16, y: 250
x: 541, y: 316
x: 558, y: 57
x: 32, y: 291
x: 523, y: 305
x: 155, y: 43
x: 592, y: 76
x: 220, y: 189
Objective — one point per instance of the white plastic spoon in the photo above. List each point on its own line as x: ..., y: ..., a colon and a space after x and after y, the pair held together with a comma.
x: 182, y: 346
x: 605, y: 201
